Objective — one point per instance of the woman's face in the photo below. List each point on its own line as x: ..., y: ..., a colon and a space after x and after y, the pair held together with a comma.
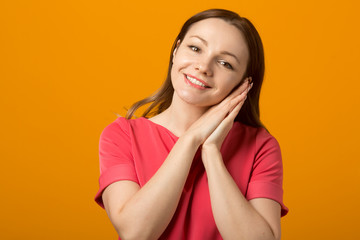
x: 209, y: 62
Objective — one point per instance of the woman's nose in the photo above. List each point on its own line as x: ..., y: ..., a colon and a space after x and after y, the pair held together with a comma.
x: 204, y: 67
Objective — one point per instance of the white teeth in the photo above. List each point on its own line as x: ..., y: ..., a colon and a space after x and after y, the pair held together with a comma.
x: 194, y: 81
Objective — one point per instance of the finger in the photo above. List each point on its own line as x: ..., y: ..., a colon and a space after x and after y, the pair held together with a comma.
x: 239, y: 90
x: 226, y: 124
x: 239, y: 98
x: 236, y: 110
x: 225, y: 107
x: 222, y: 109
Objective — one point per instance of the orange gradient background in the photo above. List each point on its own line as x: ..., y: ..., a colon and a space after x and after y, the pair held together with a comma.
x: 67, y: 66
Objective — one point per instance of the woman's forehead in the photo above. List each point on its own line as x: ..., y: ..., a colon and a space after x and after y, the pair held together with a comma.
x: 217, y: 33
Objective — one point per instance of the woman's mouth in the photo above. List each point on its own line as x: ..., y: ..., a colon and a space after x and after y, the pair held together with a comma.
x: 194, y: 82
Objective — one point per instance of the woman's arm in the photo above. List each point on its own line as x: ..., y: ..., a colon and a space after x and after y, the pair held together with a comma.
x: 144, y: 213
x: 235, y: 217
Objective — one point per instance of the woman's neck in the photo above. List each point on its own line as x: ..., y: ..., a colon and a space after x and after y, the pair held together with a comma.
x: 179, y: 116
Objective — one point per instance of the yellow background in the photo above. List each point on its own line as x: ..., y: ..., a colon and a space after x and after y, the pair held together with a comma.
x: 66, y: 66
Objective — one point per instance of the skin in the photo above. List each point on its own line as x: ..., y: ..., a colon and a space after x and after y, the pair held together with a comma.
x: 200, y: 56
x: 200, y: 117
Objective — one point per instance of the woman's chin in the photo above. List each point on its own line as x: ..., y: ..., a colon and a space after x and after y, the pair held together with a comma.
x: 193, y: 99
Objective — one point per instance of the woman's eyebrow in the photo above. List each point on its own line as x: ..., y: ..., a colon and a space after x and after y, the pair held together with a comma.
x: 201, y: 39
x: 222, y: 52
x: 230, y: 54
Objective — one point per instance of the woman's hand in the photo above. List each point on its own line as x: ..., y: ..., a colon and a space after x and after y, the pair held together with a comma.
x: 217, y: 137
x: 217, y: 120
x: 214, y: 116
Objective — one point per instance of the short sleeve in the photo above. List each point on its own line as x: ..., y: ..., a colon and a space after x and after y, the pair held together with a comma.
x: 115, y: 156
x: 267, y: 174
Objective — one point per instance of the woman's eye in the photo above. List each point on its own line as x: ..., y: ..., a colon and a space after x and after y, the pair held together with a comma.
x: 226, y: 64
x: 194, y: 48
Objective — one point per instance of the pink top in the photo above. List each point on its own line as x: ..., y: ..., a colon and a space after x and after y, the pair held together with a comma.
x: 135, y: 149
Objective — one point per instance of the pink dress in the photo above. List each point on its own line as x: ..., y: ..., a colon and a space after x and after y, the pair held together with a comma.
x: 135, y: 149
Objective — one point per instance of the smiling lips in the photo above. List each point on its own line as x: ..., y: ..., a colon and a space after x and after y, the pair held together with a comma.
x: 195, y: 82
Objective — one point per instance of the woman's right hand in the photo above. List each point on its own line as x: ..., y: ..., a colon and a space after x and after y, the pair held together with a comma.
x: 211, y: 119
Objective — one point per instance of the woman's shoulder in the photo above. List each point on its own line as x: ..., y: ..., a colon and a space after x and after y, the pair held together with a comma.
x: 259, y: 134
x: 136, y: 125
x: 124, y: 123
x: 123, y: 129
x: 119, y: 128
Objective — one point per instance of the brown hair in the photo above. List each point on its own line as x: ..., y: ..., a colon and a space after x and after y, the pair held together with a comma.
x: 249, y: 113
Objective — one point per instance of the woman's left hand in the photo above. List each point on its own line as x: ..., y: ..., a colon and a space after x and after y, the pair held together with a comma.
x: 219, y: 134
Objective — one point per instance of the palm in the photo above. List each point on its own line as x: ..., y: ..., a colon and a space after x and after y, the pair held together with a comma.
x: 219, y: 134
x: 213, y: 127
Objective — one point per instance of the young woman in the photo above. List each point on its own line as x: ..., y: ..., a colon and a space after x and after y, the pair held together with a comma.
x: 199, y: 164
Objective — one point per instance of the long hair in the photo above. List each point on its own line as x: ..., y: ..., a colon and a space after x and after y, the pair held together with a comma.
x: 249, y: 113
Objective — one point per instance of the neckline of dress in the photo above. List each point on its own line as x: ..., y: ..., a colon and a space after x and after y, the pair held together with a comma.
x: 159, y: 126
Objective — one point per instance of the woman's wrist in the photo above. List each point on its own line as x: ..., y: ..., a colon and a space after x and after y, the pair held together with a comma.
x: 192, y: 138
x: 210, y: 153
x: 211, y: 148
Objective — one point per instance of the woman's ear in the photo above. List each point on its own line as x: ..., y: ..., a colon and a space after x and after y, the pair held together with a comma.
x: 176, y: 48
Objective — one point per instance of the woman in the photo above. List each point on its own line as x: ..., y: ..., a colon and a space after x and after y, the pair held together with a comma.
x: 203, y: 166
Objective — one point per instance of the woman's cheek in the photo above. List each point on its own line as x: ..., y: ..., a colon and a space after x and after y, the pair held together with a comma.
x: 184, y: 58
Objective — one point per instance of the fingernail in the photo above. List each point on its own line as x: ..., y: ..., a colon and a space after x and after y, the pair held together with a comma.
x: 251, y: 85
x: 250, y: 79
